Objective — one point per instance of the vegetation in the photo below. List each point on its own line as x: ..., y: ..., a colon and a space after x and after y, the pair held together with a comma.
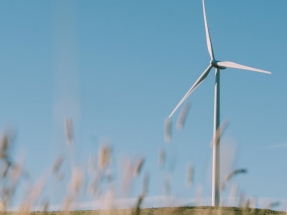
x: 171, y: 211
x: 97, y: 180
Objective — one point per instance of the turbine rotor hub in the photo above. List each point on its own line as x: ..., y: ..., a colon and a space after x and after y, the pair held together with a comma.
x: 215, y: 65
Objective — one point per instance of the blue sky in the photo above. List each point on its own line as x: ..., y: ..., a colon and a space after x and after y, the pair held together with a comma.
x: 118, y: 68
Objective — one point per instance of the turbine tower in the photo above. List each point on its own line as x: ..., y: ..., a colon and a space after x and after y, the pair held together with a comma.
x: 218, y: 65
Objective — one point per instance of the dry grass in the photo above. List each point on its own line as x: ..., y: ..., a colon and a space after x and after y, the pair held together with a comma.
x: 97, y: 182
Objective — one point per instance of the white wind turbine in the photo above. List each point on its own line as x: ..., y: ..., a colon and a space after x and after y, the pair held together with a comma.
x: 218, y: 65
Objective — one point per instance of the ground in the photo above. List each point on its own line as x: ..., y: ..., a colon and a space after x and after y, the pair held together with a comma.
x: 172, y: 211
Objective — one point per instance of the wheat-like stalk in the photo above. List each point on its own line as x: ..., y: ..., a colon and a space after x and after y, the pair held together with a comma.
x: 69, y: 131
x: 104, y: 156
x: 138, y: 167
x: 182, y: 116
x: 167, y: 130
x: 189, y: 175
x: 161, y: 158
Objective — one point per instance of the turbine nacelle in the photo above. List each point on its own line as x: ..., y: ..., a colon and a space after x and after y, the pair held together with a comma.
x: 214, y: 63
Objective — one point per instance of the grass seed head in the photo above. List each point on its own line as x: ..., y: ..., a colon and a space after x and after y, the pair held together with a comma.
x: 167, y: 130
x: 56, y: 167
x: 138, y: 167
x: 69, y: 131
x: 189, y: 175
x: 104, y: 157
x: 5, y: 169
x: 161, y: 159
x: 219, y: 132
x: 4, y: 147
x: 235, y: 172
x: 182, y: 116
x: 77, y: 179
x: 5, y: 144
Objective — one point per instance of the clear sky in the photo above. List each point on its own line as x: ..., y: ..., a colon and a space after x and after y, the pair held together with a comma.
x: 118, y: 68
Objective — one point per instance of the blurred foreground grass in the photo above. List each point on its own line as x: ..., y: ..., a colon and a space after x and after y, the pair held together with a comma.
x: 97, y: 181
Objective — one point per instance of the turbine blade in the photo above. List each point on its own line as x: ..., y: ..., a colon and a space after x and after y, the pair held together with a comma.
x: 194, y: 86
x: 238, y: 66
x: 208, y: 40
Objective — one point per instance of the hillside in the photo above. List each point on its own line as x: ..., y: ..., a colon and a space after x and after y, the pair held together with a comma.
x: 172, y: 211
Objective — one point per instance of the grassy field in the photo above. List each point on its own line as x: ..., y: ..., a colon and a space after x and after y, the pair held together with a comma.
x: 170, y: 211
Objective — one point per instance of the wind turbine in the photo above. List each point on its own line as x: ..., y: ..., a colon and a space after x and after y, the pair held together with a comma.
x: 218, y: 65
